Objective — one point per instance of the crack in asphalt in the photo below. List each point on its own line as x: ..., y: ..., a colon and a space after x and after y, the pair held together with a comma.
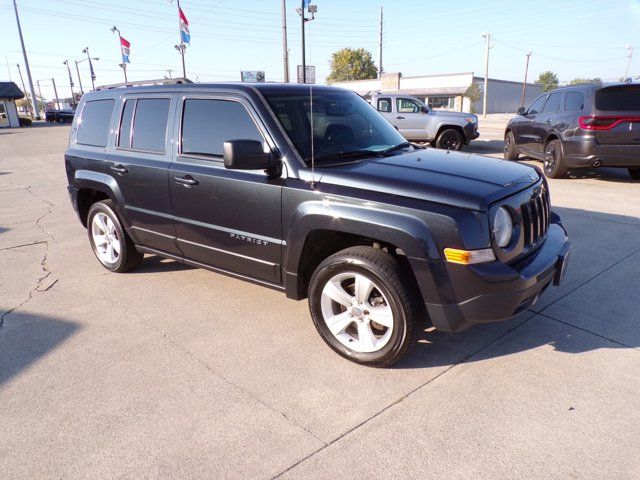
x: 43, y: 263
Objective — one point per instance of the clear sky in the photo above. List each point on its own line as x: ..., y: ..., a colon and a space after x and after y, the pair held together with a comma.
x: 574, y: 38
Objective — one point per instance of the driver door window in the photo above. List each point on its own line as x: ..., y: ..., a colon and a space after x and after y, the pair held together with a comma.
x: 406, y: 105
x: 536, y: 106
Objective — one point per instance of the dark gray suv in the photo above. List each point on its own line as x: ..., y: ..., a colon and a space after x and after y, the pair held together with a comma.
x: 579, y: 126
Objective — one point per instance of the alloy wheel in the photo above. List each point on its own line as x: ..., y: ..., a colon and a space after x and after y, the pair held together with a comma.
x: 105, y: 238
x: 356, y: 312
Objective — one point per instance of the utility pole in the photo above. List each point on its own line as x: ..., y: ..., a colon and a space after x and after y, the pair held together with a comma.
x: 40, y: 93
x: 524, y: 84
x: 93, y: 74
x: 55, y: 91
x: 629, y: 53
x: 380, y: 47
x: 6, y: 59
x: 79, y: 78
x: 486, y: 36
x: 26, y: 61
x: 73, y: 96
x: 29, y: 105
x: 285, y: 50
x: 304, y: 60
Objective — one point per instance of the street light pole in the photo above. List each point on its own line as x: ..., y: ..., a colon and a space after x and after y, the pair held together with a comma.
x: 629, y: 53
x: 285, y: 50
x: 79, y: 78
x: 40, y: 93
x: 181, y: 47
x: 524, y: 84
x: 93, y: 74
x: 26, y: 61
x: 73, y: 97
x: 122, y: 65
x: 30, y: 106
x: 55, y: 91
x: 304, y: 61
x: 487, y: 36
x: 380, y: 47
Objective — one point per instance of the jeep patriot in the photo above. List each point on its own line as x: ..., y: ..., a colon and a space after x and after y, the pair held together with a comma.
x: 309, y: 190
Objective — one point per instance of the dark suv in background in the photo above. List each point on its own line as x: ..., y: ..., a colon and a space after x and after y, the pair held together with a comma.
x: 579, y: 126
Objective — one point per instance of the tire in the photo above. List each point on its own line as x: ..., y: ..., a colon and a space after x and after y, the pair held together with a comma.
x: 554, y: 164
x: 634, y: 173
x: 357, y: 335
x: 104, y: 224
x: 450, y: 139
x: 510, y: 148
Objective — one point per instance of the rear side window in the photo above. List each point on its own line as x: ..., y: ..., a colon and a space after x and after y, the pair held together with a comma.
x: 553, y: 103
x: 384, y: 105
x: 625, y: 98
x: 150, y: 124
x: 207, y: 124
x: 94, y: 123
x: 573, y: 102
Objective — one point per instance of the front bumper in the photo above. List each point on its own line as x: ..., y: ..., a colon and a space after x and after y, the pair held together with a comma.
x: 505, y: 290
x: 470, y: 132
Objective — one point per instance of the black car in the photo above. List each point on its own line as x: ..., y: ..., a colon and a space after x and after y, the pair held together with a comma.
x: 60, y: 116
x: 310, y: 191
x: 579, y: 126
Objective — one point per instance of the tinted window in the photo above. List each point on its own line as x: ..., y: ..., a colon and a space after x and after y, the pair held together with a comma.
x: 94, y: 123
x: 384, y: 105
x: 536, y: 106
x: 553, y: 104
x: 406, y: 105
x: 124, y: 138
x: 207, y: 124
x: 150, y: 124
x: 625, y: 98
x: 573, y: 101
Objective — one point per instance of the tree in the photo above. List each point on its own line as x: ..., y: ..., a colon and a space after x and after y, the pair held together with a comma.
x: 578, y: 81
x: 474, y: 94
x: 548, y: 80
x: 352, y: 64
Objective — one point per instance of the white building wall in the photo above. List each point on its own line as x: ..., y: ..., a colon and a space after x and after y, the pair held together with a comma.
x: 504, y: 97
x: 12, y: 111
x: 462, y: 80
x: 360, y: 86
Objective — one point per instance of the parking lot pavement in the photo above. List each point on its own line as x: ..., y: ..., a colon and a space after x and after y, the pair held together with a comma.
x: 174, y: 372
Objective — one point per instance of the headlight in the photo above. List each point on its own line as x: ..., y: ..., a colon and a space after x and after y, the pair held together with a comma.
x: 472, y: 119
x: 502, y: 227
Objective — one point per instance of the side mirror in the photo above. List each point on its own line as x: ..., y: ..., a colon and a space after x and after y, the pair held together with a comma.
x: 245, y: 155
x: 521, y: 111
x: 424, y: 110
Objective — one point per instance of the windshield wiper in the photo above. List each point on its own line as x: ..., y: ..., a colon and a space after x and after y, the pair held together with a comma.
x: 350, y: 155
x: 400, y: 146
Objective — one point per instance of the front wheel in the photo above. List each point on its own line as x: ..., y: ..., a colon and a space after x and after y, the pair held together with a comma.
x: 510, y: 149
x: 450, y: 139
x: 634, y: 173
x: 364, y: 307
x: 554, y: 164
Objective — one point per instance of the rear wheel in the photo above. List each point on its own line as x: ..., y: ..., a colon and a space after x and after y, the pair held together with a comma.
x: 554, y: 164
x: 634, y: 173
x: 510, y: 148
x: 111, y: 244
x: 364, y: 307
x: 450, y: 139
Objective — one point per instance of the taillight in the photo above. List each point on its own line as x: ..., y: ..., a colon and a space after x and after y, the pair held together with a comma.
x: 604, y: 122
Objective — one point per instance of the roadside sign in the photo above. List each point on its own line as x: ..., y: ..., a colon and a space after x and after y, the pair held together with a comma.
x: 252, y: 76
x: 311, y: 74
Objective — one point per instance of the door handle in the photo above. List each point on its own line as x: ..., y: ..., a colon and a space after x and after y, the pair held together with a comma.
x: 400, y: 118
x: 187, y: 181
x: 549, y: 120
x: 120, y: 169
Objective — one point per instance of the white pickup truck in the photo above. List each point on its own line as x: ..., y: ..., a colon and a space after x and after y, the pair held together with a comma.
x: 418, y: 122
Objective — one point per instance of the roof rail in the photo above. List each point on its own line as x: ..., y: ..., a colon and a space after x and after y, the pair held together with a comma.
x: 139, y: 83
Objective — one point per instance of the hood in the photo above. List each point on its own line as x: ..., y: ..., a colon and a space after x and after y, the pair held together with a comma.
x: 451, y: 178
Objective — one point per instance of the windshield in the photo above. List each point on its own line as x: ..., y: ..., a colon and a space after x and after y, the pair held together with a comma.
x: 344, y: 124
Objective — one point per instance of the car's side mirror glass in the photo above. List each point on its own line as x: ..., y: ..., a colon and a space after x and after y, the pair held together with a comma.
x: 246, y: 155
x: 424, y: 109
x: 521, y: 111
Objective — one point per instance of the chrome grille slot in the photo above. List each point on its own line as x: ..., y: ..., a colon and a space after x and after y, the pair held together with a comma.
x: 535, y: 218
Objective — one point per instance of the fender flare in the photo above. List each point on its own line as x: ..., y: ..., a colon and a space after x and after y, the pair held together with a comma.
x: 104, y: 183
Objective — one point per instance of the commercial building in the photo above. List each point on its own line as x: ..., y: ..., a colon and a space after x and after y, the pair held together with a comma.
x: 9, y: 93
x: 447, y: 91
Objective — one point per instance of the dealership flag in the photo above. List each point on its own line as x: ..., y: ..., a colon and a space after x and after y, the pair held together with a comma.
x: 185, y: 36
x: 124, y: 46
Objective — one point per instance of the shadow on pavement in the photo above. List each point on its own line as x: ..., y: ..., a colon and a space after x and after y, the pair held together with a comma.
x: 603, y: 308
x: 152, y: 263
x: 24, y: 338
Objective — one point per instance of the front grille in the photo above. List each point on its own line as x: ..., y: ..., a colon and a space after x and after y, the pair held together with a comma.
x: 535, y: 217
